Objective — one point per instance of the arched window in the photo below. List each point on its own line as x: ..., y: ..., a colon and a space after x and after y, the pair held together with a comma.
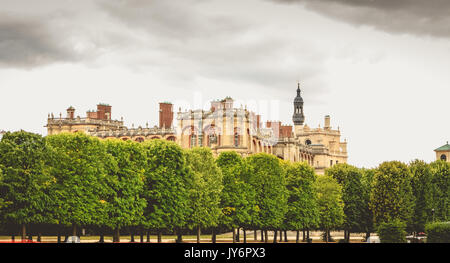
x: 308, y: 142
x: 139, y: 139
x: 444, y: 157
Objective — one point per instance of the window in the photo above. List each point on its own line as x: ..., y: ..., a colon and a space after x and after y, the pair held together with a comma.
x: 193, y: 140
x: 443, y: 157
x: 331, y: 162
x: 212, y: 139
x: 308, y: 142
x: 236, y: 139
x: 200, y: 140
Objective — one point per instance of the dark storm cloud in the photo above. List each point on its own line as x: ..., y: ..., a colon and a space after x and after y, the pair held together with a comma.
x: 418, y: 17
x: 29, y: 42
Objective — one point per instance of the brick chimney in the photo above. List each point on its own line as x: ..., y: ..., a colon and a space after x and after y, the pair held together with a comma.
x: 165, y: 115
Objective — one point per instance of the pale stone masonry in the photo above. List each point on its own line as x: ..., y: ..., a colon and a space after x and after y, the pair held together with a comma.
x: 221, y: 128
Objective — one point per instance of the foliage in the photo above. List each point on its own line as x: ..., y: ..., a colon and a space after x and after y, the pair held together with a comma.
x: 26, y: 182
x: 391, y: 195
x: 205, y: 187
x: 302, y: 210
x: 350, y: 178
x: 125, y: 205
x: 392, y: 231
x: 422, y: 189
x: 165, y: 185
x: 330, y: 204
x: 238, y: 197
x: 438, y: 232
x: 441, y: 190
x: 367, y: 215
x: 265, y: 174
x: 80, y: 165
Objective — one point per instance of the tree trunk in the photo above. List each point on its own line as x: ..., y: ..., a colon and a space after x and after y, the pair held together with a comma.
x: 281, y: 235
x: 367, y: 235
x: 304, y: 235
x: 262, y: 235
x: 275, y: 236
x: 285, y: 236
x: 30, y: 237
x: 74, y: 229
x: 245, y: 235
x: 234, y: 235
x: 102, y: 238
x: 132, y: 237
x: 255, y: 236
x: 307, y: 235
x: 148, y: 236
x: 297, y: 238
x: 159, y: 236
x: 13, y: 238
x: 180, y: 237
x: 24, y: 232
x: 39, y: 237
x: 141, y: 236
x: 117, y: 234
x: 238, y: 235
x: 213, y: 236
x: 59, y: 238
x: 266, y: 235
x: 198, y: 234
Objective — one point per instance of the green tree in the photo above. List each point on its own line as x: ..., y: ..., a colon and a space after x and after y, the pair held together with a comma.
x: 421, y: 183
x: 330, y: 204
x: 125, y: 206
x: 350, y: 178
x: 238, y: 197
x: 165, y: 187
x: 266, y: 175
x: 26, y: 182
x: 302, y: 212
x: 367, y: 216
x: 205, y: 189
x: 80, y: 165
x: 391, y: 196
x: 441, y: 190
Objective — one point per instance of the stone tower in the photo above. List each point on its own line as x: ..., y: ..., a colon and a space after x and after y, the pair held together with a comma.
x: 298, y: 118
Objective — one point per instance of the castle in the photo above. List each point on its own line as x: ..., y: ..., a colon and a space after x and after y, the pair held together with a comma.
x: 222, y: 128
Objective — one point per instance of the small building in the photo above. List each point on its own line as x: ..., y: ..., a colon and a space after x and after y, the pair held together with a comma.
x: 443, y: 153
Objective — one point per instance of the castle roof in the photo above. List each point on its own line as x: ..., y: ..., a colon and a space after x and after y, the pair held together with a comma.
x: 443, y: 148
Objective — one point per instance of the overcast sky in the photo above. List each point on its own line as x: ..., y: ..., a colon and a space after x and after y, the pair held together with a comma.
x: 380, y: 68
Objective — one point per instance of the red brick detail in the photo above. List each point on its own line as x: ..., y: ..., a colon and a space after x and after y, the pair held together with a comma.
x: 165, y: 115
x: 286, y: 131
x: 103, y: 112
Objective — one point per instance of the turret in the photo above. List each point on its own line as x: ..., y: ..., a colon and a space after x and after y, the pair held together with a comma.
x: 298, y: 118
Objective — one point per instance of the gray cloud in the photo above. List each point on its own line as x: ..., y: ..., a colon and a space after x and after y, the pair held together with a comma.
x: 416, y: 17
x: 189, y: 39
x: 29, y: 42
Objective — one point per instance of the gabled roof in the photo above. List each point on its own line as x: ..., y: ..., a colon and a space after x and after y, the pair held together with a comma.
x: 443, y: 148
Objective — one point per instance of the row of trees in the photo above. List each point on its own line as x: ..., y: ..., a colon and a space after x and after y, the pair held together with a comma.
x: 111, y: 185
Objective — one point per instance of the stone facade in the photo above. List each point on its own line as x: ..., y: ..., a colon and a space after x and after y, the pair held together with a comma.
x: 222, y: 128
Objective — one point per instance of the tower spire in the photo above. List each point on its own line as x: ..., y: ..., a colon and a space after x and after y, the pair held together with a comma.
x: 298, y: 116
